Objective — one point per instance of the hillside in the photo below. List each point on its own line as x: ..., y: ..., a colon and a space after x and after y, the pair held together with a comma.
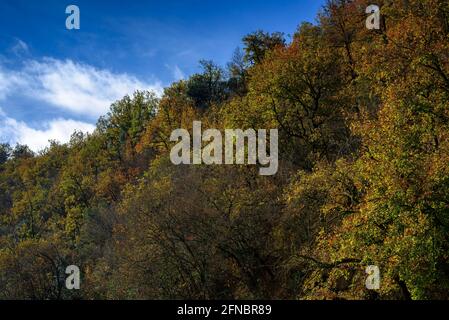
x: 363, y: 177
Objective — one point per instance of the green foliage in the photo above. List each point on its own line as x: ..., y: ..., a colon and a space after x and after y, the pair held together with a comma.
x: 259, y: 43
x: 5, y: 152
x: 208, y: 88
x: 363, y: 176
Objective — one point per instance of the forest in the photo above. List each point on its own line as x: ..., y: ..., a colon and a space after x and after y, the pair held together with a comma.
x: 363, y: 177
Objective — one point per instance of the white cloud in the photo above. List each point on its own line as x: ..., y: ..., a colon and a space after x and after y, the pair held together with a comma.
x: 71, y: 86
x: 9, y: 82
x: 19, y: 47
x: 60, y: 130
x: 65, y: 85
x: 178, y: 73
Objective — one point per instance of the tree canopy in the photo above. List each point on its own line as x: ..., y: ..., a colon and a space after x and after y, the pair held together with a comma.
x: 363, y: 119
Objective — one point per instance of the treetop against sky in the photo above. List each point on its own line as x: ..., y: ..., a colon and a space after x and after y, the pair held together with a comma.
x: 55, y: 80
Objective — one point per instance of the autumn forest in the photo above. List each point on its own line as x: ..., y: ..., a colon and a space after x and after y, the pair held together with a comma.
x: 363, y: 177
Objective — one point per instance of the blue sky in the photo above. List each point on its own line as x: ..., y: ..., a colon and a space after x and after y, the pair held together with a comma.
x: 54, y: 80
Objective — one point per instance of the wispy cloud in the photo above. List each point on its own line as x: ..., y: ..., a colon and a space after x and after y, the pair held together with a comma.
x: 13, y: 131
x: 19, y: 48
x: 70, y: 86
x: 9, y: 82
x: 177, y: 73
x: 71, y: 89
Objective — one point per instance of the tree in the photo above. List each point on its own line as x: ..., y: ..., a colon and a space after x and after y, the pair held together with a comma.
x: 258, y: 43
x: 208, y: 88
x: 238, y: 73
x: 400, y: 223
x: 5, y: 152
x: 22, y: 152
x: 125, y: 123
